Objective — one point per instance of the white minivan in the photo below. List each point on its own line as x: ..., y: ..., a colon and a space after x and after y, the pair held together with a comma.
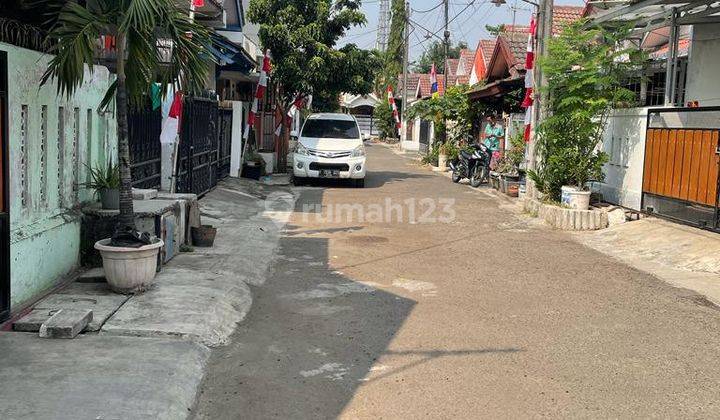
x: 329, y: 146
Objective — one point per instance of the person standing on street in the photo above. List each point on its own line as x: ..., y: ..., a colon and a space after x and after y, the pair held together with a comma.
x: 493, y: 134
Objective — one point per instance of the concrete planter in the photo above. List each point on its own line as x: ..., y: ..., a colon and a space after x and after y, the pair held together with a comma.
x: 129, y: 270
x: 442, y: 162
x: 575, y: 198
x: 567, y: 219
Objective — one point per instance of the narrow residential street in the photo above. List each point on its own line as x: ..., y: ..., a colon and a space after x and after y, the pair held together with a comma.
x: 484, y: 314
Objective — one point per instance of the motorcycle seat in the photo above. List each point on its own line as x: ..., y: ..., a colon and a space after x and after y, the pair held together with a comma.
x: 465, y: 154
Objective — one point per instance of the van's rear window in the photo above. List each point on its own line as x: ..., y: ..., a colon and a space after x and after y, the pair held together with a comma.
x: 330, y: 129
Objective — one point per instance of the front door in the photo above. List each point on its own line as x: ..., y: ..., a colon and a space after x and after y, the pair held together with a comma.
x: 4, y: 203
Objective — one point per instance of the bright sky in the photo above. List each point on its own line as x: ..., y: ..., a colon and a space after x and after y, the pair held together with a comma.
x: 468, y: 21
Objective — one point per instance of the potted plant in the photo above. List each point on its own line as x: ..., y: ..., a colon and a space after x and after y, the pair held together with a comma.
x: 138, y: 27
x: 495, y: 180
x: 585, y: 70
x: 512, y: 160
x: 254, y: 166
x: 106, y: 183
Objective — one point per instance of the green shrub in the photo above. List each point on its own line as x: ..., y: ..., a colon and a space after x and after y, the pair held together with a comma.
x: 584, y: 70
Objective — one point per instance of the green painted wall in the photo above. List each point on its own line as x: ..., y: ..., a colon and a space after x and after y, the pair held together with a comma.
x: 51, y: 140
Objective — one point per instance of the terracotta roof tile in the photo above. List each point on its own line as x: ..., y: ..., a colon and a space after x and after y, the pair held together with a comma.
x: 662, y: 52
x: 487, y: 46
x: 425, y: 84
x: 466, y: 59
x: 452, y: 65
x: 517, y: 46
x: 562, y: 15
x: 412, y: 83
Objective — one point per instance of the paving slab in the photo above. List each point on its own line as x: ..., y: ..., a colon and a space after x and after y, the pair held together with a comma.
x: 65, y: 323
x: 93, y: 296
x: 98, y: 377
x: 185, y: 303
x: 33, y: 320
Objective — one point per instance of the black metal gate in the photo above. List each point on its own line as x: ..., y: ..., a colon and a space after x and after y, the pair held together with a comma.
x: 198, y: 150
x: 225, y: 117
x: 424, y: 135
x: 144, y: 127
x: 4, y: 198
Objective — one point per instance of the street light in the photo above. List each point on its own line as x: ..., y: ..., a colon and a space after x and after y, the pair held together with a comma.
x: 499, y: 3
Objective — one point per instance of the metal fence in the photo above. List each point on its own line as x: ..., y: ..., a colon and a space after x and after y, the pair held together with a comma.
x: 144, y: 127
x: 197, y: 170
x: 367, y: 124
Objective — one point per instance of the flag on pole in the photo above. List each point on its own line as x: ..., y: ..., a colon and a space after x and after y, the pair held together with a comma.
x: 259, y: 92
x: 433, y: 80
x: 171, y: 125
x: 391, y: 101
x: 528, y: 100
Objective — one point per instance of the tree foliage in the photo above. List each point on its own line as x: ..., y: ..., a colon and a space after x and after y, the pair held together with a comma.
x: 436, y: 54
x: 452, y: 107
x: 584, y: 69
x: 138, y: 25
x: 383, y: 117
x: 302, y: 36
x: 495, y: 30
x: 392, y: 57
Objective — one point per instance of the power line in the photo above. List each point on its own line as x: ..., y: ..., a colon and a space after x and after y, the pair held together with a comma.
x: 435, y: 33
x: 429, y: 10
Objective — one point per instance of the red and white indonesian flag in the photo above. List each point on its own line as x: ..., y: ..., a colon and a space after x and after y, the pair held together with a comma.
x: 171, y: 125
x: 391, y: 101
x: 527, y: 102
x: 259, y: 92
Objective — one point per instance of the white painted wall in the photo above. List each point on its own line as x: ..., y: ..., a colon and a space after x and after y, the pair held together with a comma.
x: 624, y: 142
x: 703, y: 65
x: 412, y: 142
x: 238, y: 125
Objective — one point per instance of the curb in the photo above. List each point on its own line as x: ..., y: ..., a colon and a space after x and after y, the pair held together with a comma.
x: 565, y: 218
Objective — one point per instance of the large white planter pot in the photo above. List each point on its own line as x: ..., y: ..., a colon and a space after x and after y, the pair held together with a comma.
x: 575, y: 198
x: 442, y: 162
x: 129, y: 270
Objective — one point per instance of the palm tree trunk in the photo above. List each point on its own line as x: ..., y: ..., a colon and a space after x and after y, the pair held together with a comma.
x: 127, y: 214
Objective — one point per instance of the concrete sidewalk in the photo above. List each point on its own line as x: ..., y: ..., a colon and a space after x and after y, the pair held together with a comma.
x: 148, y: 359
x: 682, y: 256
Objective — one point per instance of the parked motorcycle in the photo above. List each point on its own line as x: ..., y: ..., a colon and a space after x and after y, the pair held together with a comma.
x: 473, y: 165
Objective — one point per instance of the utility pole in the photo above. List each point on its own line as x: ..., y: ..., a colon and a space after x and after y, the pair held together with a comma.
x: 544, y: 33
x: 403, y: 126
x: 446, y: 37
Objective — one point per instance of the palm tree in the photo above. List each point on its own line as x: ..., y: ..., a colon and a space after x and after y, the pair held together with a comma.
x: 139, y: 26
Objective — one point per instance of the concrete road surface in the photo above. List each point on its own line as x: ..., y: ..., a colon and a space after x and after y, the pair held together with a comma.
x: 419, y: 298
